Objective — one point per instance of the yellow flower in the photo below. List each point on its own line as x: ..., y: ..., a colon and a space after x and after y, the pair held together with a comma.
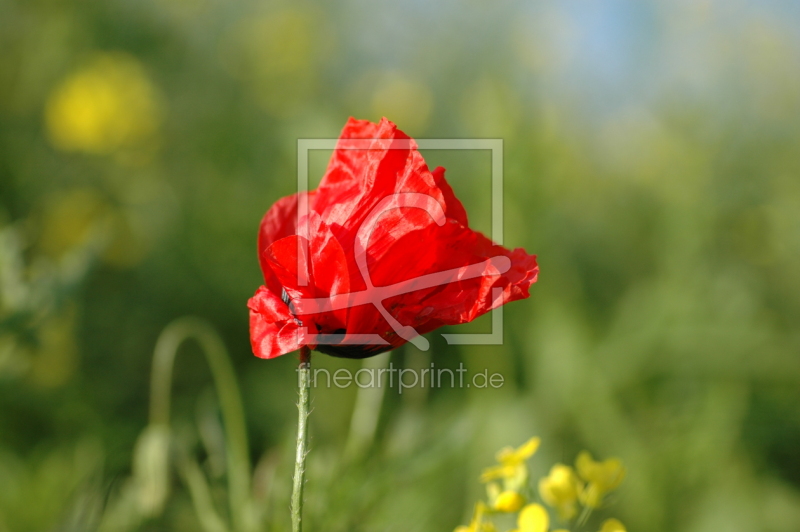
x: 521, y: 453
x: 477, y: 524
x: 612, y: 525
x: 560, y: 490
x: 508, y: 501
x: 512, y: 468
x: 107, y: 105
x: 533, y: 518
x: 602, y: 477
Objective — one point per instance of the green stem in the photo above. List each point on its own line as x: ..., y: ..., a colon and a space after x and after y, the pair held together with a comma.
x: 304, y: 378
x: 367, y: 410
x: 587, y: 511
x: 236, y: 445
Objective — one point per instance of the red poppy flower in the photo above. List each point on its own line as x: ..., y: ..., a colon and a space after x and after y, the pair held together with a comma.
x: 379, y: 254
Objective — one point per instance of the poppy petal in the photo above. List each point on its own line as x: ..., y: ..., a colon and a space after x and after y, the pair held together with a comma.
x: 381, y: 229
x: 280, y: 221
x: 452, y: 248
x: 452, y: 206
x: 273, y: 330
x: 326, y: 273
x: 391, y: 164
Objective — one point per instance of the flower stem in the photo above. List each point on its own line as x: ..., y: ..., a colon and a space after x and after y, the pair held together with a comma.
x: 304, y: 374
x: 367, y: 410
x: 236, y: 444
x: 587, y: 511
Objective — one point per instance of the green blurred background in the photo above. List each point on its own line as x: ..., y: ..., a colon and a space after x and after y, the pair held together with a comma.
x: 651, y: 161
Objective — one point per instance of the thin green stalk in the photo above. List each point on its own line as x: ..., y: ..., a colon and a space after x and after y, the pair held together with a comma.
x: 236, y: 444
x: 304, y: 379
x: 200, y: 493
x: 367, y: 410
x: 585, y: 513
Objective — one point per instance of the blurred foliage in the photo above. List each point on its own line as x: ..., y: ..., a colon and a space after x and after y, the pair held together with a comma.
x: 650, y: 161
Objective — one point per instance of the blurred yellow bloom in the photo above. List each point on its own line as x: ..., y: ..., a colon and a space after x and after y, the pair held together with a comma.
x: 602, y: 477
x: 477, y: 524
x: 533, y: 518
x: 563, y: 489
x: 612, y: 525
x: 508, y: 501
x: 512, y: 467
x: 560, y: 489
x: 71, y: 219
x: 107, y: 105
x: 83, y: 219
x: 278, y: 56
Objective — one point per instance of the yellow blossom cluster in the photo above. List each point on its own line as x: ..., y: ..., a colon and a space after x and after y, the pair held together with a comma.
x: 107, y: 105
x: 573, y: 493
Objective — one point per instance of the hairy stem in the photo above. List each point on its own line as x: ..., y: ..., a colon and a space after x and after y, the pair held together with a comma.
x: 304, y: 377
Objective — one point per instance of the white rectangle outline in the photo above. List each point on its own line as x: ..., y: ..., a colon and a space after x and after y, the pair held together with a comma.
x: 493, y: 145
